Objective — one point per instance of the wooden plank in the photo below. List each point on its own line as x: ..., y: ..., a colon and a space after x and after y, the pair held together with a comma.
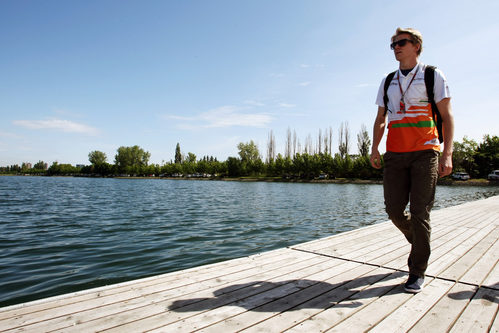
x: 325, y: 310
x: 492, y: 280
x: 372, y: 314
x: 186, y: 275
x: 390, y: 244
x: 178, y: 308
x: 458, y: 217
x: 343, y: 240
x: 404, y: 317
x: 439, y: 318
x: 347, y: 235
x: 490, y: 219
x: 280, y: 315
x: 380, y: 246
x: 480, y: 313
x: 479, y: 260
x: 343, y: 287
x: 445, y: 312
x: 359, y: 250
x: 487, y: 205
x: 398, y: 259
x: 455, y: 250
x: 159, y: 290
x: 395, y: 257
x: 349, y: 248
x: 218, y: 308
x: 495, y: 325
x: 91, y: 312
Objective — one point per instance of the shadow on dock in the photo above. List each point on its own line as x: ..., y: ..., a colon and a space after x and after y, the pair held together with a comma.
x: 488, y: 294
x: 291, y: 295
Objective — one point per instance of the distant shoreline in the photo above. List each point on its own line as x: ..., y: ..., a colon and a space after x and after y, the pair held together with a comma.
x: 446, y: 181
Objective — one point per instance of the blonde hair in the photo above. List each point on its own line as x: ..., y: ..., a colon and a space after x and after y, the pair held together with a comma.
x: 416, y: 36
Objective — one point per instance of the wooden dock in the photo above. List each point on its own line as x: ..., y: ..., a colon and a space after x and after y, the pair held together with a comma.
x: 350, y: 282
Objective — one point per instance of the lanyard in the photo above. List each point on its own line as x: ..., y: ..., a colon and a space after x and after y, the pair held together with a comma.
x: 402, y: 104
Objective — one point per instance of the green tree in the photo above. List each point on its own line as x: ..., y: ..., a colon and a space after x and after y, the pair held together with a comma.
x: 343, y: 166
x: 330, y: 166
x: 278, y: 166
x: 248, y: 152
x: 191, y: 158
x: 62, y: 169
x: 178, y: 154
x: 218, y: 168
x: 203, y: 166
x: 234, y: 167
x: 15, y: 168
x: 97, y: 157
x: 344, y: 140
x: 40, y: 165
x: 174, y: 169
x: 298, y: 165
x: 363, y: 141
x: 487, y: 155
x: 362, y: 168
x: 131, y: 159
x: 103, y: 169
x: 152, y: 170
x: 254, y: 168
x: 463, y: 157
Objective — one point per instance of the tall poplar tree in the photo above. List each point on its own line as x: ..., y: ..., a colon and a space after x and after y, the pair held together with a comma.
x: 363, y: 141
x: 178, y: 154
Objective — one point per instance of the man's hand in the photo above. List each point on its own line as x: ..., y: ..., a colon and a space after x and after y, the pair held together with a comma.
x: 375, y: 159
x: 445, y: 161
x: 445, y: 165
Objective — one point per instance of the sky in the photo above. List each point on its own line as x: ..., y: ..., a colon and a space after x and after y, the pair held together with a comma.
x: 79, y: 76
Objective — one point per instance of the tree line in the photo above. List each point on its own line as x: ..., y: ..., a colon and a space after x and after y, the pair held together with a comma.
x: 301, y: 160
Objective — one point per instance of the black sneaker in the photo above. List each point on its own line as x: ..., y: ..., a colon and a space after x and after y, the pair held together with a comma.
x: 414, y: 284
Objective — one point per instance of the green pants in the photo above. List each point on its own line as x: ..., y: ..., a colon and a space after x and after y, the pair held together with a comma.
x: 412, y: 177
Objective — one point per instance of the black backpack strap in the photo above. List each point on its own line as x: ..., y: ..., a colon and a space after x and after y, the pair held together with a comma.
x: 388, y: 80
x: 429, y: 80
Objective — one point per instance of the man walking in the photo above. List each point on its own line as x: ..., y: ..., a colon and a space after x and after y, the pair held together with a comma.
x: 412, y: 162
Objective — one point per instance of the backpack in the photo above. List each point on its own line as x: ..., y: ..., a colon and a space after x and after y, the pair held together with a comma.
x: 429, y: 80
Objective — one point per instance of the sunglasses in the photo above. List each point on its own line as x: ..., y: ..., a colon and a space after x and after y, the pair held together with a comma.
x: 400, y: 43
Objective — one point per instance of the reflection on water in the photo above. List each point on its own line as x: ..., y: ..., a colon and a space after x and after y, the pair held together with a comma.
x: 59, y: 235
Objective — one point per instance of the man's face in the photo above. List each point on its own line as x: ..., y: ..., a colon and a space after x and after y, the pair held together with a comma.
x: 408, y: 51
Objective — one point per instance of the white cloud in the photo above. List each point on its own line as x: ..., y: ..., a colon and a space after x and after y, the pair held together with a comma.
x: 57, y: 124
x: 224, y: 116
x: 304, y: 84
x: 364, y: 85
x: 286, y: 105
x: 277, y: 75
x: 174, y: 117
x: 9, y: 135
x: 227, y: 116
x: 253, y: 103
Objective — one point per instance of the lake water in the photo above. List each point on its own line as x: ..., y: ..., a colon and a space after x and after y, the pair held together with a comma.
x: 59, y: 235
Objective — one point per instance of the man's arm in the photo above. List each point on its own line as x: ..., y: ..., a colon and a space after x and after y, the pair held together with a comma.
x: 378, y: 130
x: 445, y: 162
